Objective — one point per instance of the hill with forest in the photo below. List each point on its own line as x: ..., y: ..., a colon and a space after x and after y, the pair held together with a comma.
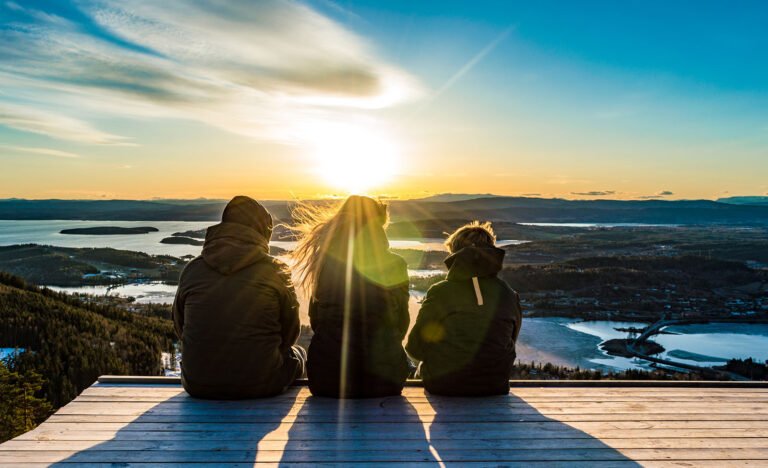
x: 70, y: 266
x: 70, y: 342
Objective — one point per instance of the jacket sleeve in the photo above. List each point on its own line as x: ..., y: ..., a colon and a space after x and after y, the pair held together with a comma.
x: 177, y: 312
x: 403, y: 317
x: 313, y: 319
x: 402, y: 296
x: 426, y: 328
x: 290, y: 326
x: 518, y: 314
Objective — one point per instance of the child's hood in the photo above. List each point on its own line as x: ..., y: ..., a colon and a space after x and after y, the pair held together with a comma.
x: 475, y: 262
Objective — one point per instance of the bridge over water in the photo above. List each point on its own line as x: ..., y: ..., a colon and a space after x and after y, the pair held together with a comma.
x: 657, y: 327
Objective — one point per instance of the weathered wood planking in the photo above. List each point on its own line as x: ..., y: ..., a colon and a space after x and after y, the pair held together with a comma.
x: 136, y: 424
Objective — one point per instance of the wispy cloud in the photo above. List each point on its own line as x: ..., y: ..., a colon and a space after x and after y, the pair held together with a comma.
x: 253, y: 68
x: 34, y: 150
x: 57, y: 126
x: 662, y: 194
x: 595, y: 193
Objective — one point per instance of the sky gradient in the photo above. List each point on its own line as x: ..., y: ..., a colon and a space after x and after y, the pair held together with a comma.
x: 624, y: 100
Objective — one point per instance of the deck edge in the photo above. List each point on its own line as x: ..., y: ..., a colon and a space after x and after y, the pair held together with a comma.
x: 161, y: 380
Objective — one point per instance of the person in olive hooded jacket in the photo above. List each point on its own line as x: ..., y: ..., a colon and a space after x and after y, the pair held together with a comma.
x: 467, y: 327
x: 236, y: 311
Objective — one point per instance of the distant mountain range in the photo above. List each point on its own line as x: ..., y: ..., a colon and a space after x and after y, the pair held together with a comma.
x: 451, y: 197
x: 733, y: 211
x: 754, y: 200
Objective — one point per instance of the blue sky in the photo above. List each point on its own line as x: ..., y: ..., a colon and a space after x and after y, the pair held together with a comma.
x: 569, y: 99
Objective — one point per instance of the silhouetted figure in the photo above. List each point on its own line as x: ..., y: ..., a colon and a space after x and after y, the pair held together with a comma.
x: 467, y: 327
x: 358, y: 301
x: 236, y: 311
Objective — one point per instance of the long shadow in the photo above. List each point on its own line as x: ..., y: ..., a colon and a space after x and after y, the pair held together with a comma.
x: 422, y: 428
x: 508, y: 430
x: 186, y: 430
x: 373, y: 430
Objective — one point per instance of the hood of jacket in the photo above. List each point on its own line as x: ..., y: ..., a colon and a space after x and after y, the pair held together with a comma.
x: 230, y: 247
x: 477, y: 262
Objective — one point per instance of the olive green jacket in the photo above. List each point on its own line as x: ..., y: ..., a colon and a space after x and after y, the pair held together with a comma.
x: 236, y: 314
x: 467, y: 327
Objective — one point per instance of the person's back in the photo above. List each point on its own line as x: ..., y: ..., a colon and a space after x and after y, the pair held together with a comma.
x: 375, y: 363
x: 359, y: 305
x: 236, y: 311
x: 467, y: 327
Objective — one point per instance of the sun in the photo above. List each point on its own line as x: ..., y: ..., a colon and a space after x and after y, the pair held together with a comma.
x: 355, y: 159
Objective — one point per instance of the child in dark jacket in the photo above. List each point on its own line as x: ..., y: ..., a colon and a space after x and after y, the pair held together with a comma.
x: 467, y: 327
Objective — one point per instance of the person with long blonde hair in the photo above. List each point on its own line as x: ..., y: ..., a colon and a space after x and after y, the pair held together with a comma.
x: 358, y: 299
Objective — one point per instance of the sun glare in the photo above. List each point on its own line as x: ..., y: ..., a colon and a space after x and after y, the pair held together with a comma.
x: 355, y: 159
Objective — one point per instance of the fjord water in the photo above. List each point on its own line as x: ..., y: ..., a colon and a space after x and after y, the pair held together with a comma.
x: 48, y: 233
x: 561, y: 341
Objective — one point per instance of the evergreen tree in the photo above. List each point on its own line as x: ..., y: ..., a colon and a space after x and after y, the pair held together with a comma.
x: 21, y: 406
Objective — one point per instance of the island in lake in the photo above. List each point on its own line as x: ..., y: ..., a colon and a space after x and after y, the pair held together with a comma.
x: 182, y: 240
x: 109, y: 230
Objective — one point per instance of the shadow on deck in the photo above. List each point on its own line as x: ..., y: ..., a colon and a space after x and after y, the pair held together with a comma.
x: 563, y: 424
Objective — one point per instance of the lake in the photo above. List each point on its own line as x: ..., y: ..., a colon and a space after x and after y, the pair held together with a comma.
x: 561, y: 341
x: 599, y: 225
x: 699, y: 345
x: 48, y: 233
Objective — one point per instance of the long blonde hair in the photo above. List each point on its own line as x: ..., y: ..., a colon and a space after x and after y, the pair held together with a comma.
x: 330, y: 229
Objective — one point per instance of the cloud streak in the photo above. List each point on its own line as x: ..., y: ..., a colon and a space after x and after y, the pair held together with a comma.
x: 57, y: 126
x: 253, y: 68
x: 595, y: 193
x: 656, y: 196
x: 40, y: 151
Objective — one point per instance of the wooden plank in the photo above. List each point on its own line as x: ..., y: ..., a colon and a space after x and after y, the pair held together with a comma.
x: 526, y: 464
x: 367, y: 409
x: 375, y: 432
x: 759, y: 387
x: 709, y: 418
x: 447, y: 401
x: 390, y: 444
x: 762, y: 398
x: 506, y: 402
x: 514, y: 390
x: 634, y: 423
x: 548, y: 464
x: 590, y: 464
x: 327, y: 456
x: 155, y: 380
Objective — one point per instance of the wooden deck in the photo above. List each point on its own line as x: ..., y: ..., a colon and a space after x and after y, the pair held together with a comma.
x: 152, y: 423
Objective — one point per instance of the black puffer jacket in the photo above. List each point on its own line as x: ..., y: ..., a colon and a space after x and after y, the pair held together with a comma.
x: 373, y: 359
x: 237, y: 315
x: 467, y: 327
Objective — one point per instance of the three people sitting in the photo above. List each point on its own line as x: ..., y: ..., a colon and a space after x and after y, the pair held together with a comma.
x: 236, y: 310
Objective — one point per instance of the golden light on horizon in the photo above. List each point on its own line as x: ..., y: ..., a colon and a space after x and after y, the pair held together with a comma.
x: 354, y: 158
